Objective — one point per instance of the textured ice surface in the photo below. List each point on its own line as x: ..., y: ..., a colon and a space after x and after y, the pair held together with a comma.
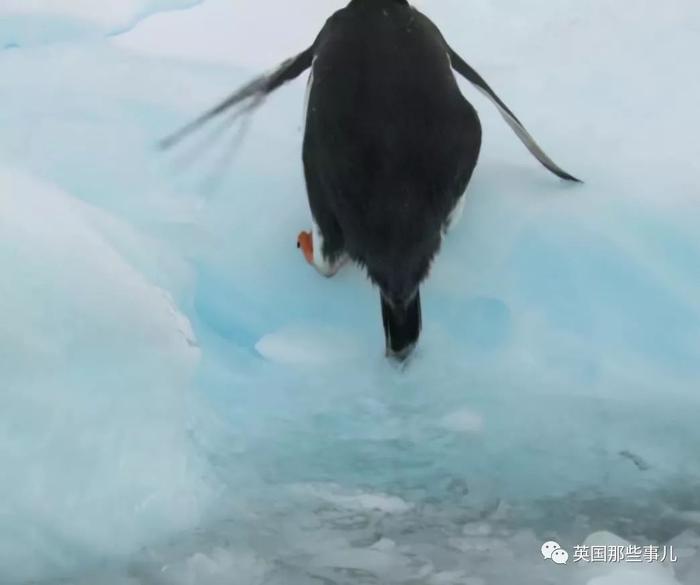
x: 96, y: 364
x: 184, y: 401
x: 32, y: 22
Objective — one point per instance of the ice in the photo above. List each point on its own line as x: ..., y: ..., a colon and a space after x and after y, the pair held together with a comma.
x: 633, y: 577
x: 360, y: 501
x: 184, y: 400
x: 626, y: 574
x: 227, y: 31
x: 309, y: 347
x: 217, y: 568
x: 93, y: 357
x: 34, y: 22
x: 463, y: 421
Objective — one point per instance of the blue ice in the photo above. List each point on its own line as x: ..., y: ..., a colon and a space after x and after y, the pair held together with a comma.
x: 185, y: 401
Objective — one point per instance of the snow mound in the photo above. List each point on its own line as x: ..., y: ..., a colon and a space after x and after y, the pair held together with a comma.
x: 95, y: 361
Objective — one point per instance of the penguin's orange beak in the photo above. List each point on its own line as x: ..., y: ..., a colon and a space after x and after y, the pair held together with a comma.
x: 306, y: 244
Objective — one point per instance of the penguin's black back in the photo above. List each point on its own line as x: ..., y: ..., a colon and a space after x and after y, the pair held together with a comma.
x: 390, y: 141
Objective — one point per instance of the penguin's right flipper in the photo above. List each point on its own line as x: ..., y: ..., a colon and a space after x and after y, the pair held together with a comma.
x: 461, y: 67
x: 257, y: 89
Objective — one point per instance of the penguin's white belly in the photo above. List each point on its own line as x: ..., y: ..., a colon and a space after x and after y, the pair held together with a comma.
x: 455, y: 214
x: 309, y: 85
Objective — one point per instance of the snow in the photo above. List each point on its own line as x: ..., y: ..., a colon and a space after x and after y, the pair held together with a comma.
x: 313, y: 347
x: 34, y: 22
x: 93, y: 356
x: 185, y: 401
x: 228, y: 31
x: 626, y: 574
x: 463, y: 421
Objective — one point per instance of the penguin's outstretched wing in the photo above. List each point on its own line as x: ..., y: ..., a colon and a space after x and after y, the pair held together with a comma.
x: 256, y: 90
x: 461, y: 67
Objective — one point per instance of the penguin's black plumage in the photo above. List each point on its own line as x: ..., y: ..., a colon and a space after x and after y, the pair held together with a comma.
x: 389, y: 148
x: 390, y: 145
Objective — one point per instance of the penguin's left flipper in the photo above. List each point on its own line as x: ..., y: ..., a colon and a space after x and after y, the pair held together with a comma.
x: 315, y: 257
x: 253, y: 92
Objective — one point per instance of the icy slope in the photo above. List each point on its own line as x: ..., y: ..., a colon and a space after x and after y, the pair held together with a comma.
x: 185, y: 401
x: 93, y: 356
x: 32, y: 22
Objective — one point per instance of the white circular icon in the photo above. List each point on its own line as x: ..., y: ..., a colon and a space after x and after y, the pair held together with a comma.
x: 548, y: 549
x: 560, y: 556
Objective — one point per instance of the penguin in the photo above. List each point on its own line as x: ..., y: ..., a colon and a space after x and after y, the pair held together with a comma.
x: 390, y: 145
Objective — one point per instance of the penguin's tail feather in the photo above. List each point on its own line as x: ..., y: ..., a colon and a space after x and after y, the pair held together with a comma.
x: 402, y: 326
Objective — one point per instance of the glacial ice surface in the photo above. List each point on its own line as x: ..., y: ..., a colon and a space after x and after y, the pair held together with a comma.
x: 184, y: 401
